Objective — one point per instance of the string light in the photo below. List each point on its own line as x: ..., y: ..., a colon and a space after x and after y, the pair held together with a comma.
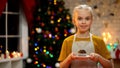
x: 29, y: 60
x: 39, y: 10
x: 47, y: 52
x: 54, y: 42
x: 35, y: 49
x: 106, y: 36
x: 52, y: 17
x: 49, y: 12
x: 72, y: 30
x: 43, y: 65
x: 44, y: 50
x: 109, y: 46
x: 52, y: 22
x: 36, y: 62
x: 55, y: 2
x: 51, y: 55
x: 57, y: 65
x: 35, y: 44
x: 44, y: 47
x: 56, y: 29
x: 57, y: 37
x: 38, y: 30
x: 36, y: 52
x: 50, y: 35
x: 65, y: 35
x: 67, y: 17
x: 59, y: 20
x: 38, y: 65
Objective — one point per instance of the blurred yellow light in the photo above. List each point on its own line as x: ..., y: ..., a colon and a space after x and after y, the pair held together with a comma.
x: 7, y: 51
x: 59, y: 20
x: 110, y: 44
x: 36, y: 62
x: 103, y: 33
x: 52, y: 22
x: 109, y: 36
x: 35, y: 49
x: 44, y: 47
x: 44, y: 50
x: 44, y: 65
x: 56, y: 36
x: 68, y: 17
x: 106, y: 37
x: 50, y: 36
x: 55, y: 2
x: 65, y: 35
x: 54, y: 42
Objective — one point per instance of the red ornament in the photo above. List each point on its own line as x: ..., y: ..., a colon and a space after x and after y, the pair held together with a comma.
x: 52, y: 17
x: 42, y: 24
x: 11, y: 55
x: 58, y: 25
x: 50, y: 48
x: 65, y: 31
x: 57, y: 37
x: 53, y: 13
x: 56, y: 29
x: 49, y: 12
x: 21, y: 54
x: 36, y: 58
x: 60, y: 9
x: 117, y: 54
x: 32, y: 32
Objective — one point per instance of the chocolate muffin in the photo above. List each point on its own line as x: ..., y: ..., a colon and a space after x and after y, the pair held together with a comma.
x: 81, y: 53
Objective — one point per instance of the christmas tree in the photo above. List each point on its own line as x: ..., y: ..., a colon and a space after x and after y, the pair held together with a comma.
x: 52, y: 24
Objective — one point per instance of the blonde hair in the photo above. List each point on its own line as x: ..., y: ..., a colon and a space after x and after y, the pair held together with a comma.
x: 82, y: 7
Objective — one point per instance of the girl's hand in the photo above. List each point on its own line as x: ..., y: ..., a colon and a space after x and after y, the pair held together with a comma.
x: 95, y: 57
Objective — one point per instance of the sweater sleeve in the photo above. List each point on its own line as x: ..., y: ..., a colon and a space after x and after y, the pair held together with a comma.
x: 66, y: 48
x: 101, y: 48
x: 63, y: 51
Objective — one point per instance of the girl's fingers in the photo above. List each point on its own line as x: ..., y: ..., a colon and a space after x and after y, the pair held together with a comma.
x: 94, y: 57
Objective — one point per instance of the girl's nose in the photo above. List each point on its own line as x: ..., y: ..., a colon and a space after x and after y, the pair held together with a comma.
x: 83, y: 21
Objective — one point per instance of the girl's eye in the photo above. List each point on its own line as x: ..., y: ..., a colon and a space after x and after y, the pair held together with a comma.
x: 87, y: 18
x: 79, y: 18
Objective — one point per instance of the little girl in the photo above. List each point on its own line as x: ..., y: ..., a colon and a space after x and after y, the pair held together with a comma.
x: 92, y: 46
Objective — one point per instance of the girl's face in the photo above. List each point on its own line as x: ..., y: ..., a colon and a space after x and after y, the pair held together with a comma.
x: 83, y: 20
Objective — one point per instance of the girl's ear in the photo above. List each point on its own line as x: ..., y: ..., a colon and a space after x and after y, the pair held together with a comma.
x: 73, y: 21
